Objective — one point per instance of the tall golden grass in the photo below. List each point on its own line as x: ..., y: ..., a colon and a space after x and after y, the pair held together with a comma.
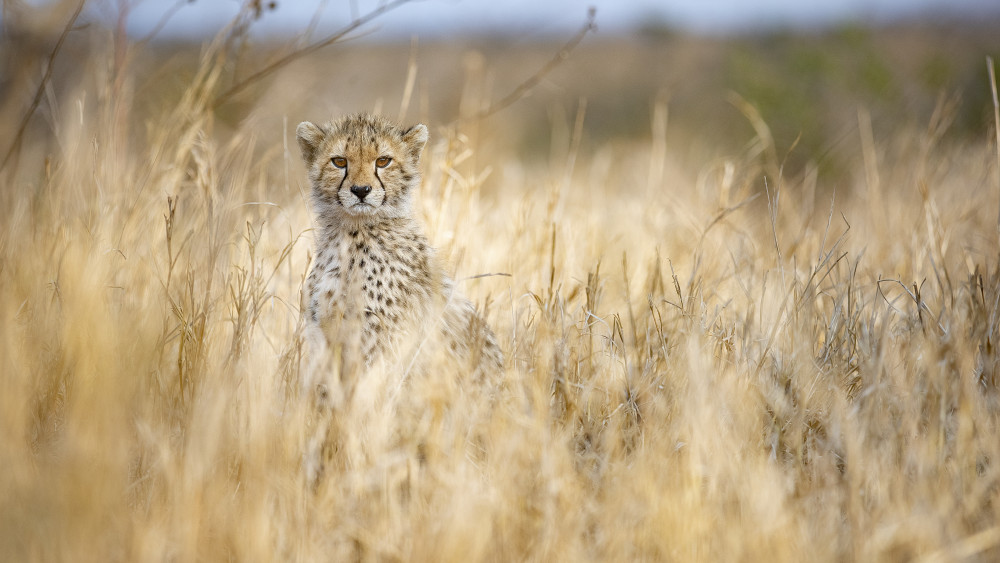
x: 725, y: 364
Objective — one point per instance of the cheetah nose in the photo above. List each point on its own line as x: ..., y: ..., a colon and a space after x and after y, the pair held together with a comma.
x: 361, y: 191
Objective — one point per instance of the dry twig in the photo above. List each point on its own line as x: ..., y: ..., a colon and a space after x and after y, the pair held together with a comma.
x: 311, y: 48
x: 523, y: 88
x: 996, y: 119
x: 49, y: 64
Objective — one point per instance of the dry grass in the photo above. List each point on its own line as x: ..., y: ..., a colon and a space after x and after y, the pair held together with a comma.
x: 721, y: 365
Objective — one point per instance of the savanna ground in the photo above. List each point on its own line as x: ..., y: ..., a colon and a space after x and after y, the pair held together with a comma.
x: 751, y: 310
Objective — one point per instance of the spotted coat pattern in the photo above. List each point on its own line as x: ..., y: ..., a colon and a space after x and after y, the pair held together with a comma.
x: 375, y: 284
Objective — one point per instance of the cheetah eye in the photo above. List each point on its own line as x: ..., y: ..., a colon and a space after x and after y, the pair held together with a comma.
x: 339, y: 161
x: 382, y: 161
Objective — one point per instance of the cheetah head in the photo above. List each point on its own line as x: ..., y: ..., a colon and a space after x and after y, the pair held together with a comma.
x: 362, y: 165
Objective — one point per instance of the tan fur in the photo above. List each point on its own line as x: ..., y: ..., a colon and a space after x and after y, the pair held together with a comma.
x: 376, y: 291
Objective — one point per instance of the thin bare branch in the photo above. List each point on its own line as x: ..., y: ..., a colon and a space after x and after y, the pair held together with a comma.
x: 311, y: 48
x: 476, y: 277
x: 996, y: 120
x: 523, y: 88
x: 40, y: 91
x: 171, y: 11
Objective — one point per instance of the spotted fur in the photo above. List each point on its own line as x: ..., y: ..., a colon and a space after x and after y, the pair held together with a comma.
x: 375, y: 286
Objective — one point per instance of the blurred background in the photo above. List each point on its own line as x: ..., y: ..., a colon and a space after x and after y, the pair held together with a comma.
x: 523, y: 18
x: 815, y: 372
x: 806, y: 68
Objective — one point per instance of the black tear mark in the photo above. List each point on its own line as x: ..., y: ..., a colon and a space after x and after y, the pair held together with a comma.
x: 379, y: 178
x: 341, y: 185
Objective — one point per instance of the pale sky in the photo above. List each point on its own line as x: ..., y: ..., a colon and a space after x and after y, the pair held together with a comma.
x: 541, y: 17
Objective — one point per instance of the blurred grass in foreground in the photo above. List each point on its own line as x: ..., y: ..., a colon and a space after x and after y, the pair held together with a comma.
x: 710, y: 356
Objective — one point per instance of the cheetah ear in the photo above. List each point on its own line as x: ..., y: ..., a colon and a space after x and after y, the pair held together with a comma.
x: 309, y: 137
x: 415, y: 138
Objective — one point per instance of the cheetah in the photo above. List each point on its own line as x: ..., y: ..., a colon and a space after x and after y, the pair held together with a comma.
x: 376, y: 290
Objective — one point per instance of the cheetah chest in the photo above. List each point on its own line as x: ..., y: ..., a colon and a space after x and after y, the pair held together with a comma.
x: 368, y: 282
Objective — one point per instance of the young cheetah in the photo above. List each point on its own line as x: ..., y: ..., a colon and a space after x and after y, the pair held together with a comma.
x: 376, y: 290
